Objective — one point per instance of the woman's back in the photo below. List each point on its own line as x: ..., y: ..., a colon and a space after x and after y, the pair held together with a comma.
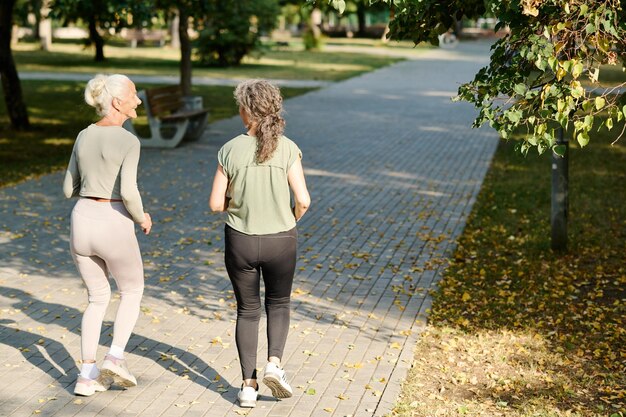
x: 259, y: 193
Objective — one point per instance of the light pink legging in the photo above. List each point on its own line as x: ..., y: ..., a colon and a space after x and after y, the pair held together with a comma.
x: 102, y: 240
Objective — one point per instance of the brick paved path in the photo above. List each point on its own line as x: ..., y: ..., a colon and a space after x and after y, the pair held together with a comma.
x: 393, y: 169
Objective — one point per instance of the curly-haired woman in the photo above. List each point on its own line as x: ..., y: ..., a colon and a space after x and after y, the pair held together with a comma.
x: 252, y: 183
x: 103, y: 173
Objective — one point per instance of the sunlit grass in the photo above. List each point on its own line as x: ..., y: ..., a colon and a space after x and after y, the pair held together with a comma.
x: 291, y: 63
x: 57, y: 113
x: 515, y: 329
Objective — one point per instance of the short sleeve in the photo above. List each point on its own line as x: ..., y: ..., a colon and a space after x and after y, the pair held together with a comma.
x: 294, y: 154
x: 222, y: 160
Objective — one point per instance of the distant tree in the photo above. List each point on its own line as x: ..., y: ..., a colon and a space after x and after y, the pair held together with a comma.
x: 182, y: 11
x: 100, y: 16
x: 25, y: 8
x: 16, y: 108
x: 230, y: 30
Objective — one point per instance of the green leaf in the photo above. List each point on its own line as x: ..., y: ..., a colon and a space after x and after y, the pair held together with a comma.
x: 520, y: 89
x: 577, y: 70
x: 577, y: 90
x: 600, y: 102
x: 562, y: 119
x: 583, y: 9
x: 559, y: 149
x: 587, y: 106
x: 609, y: 123
x: 340, y: 5
x: 548, y: 137
x: 583, y: 139
x: 524, y: 148
x: 540, y: 63
x: 541, y: 147
x: 624, y: 110
x: 567, y: 8
x: 310, y: 391
x: 514, y: 115
x: 552, y: 62
x: 567, y: 65
x: 590, y: 28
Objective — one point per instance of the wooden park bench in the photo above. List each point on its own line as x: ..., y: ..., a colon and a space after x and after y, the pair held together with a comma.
x: 142, y: 36
x: 171, y: 117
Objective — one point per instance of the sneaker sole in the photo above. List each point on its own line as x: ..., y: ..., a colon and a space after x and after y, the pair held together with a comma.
x: 247, y: 404
x: 85, y: 392
x: 118, y: 379
x: 278, y: 391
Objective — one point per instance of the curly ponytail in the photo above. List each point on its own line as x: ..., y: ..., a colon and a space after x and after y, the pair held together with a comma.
x: 263, y: 104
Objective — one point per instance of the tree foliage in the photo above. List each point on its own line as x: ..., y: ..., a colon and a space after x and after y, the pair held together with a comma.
x: 101, y: 15
x: 231, y: 30
x: 544, y: 73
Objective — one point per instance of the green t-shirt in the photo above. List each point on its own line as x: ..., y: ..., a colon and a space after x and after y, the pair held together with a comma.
x: 260, y: 200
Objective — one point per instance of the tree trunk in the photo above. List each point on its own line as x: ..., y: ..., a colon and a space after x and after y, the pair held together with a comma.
x: 312, y: 33
x: 16, y: 108
x: 458, y: 27
x: 96, y: 39
x: 185, y: 52
x: 360, y: 15
x: 45, y: 26
x: 392, y: 14
x: 174, y: 25
x: 560, y: 180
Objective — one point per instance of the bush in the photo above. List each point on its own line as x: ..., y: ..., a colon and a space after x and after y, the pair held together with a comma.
x: 231, y: 30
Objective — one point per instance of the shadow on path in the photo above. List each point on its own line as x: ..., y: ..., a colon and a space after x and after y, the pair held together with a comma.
x: 161, y: 353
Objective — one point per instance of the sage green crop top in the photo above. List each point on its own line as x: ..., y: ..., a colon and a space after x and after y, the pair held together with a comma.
x: 104, y: 164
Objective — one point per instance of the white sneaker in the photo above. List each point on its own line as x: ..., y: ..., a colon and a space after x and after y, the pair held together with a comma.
x: 87, y: 387
x: 247, y: 397
x: 275, y: 379
x: 117, y: 370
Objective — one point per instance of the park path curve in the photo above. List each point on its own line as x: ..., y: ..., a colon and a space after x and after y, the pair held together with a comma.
x: 393, y: 168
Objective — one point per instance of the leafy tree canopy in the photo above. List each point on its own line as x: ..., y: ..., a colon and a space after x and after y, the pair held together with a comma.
x: 544, y: 73
x: 114, y: 14
x: 230, y: 30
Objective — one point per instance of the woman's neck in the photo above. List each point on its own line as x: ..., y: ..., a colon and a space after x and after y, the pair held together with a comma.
x: 112, y: 119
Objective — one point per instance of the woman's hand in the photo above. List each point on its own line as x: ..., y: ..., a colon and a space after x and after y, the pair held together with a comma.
x: 146, y: 226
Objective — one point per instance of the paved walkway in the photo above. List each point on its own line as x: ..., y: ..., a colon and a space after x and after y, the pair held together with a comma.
x: 393, y: 169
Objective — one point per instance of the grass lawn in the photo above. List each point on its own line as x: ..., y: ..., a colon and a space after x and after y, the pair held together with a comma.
x: 283, y: 63
x: 48, y: 145
x: 515, y: 329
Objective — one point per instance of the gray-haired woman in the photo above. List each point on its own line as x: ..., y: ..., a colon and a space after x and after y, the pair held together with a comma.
x: 252, y: 183
x: 103, y: 172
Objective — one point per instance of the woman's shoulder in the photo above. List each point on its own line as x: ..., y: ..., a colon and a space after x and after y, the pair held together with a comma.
x: 118, y: 135
x: 238, y: 142
x: 289, y: 145
x: 288, y: 141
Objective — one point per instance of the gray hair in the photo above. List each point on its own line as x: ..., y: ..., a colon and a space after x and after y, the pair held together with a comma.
x: 102, y: 89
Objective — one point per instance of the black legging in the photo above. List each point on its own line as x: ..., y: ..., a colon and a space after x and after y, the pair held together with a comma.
x: 247, y: 257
